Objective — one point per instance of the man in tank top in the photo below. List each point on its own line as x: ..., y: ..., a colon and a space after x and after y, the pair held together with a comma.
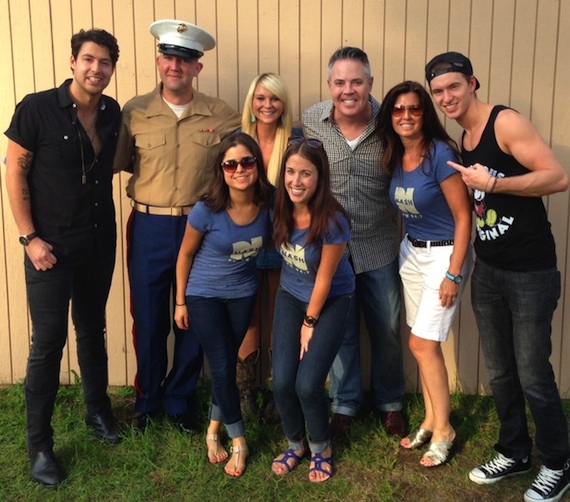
x: 515, y: 285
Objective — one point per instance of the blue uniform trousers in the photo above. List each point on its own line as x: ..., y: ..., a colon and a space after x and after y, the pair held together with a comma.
x: 153, y: 242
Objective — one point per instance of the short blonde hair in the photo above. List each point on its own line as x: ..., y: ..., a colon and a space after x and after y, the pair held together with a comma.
x: 277, y: 86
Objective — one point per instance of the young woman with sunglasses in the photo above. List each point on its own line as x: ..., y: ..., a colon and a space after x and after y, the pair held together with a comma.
x: 435, y: 254
x: 216, y: 283
x: 267, y: 117
x: 311, y: 231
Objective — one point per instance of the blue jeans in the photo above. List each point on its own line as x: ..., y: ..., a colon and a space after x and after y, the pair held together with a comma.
x: 49, y: 293
x: 378, y: 293
x: 152, y: 248
x: 514, y: 313
x: 221, y: 325
x: 299, y: 385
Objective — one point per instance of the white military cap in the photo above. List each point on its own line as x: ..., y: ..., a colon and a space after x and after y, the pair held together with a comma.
x: 182, y: 39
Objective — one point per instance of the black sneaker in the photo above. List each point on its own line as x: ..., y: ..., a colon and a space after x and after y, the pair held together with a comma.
x: 498, y: 468
x: 549, y: 485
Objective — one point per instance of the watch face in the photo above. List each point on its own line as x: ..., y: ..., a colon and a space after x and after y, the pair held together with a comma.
x: 24, y: 240
x: 458, y: 279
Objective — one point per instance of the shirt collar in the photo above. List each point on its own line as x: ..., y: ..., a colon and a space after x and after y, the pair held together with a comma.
x: 64, y: 98
x: 328, y: 110
x: 197, y: 106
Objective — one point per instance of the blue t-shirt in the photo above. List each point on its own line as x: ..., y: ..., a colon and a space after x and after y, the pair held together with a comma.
x: 418, y: 196
x: 300, y: 263
x: 224, y: 265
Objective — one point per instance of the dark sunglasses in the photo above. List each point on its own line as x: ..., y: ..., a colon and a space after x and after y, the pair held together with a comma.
x: 415, y: 110
x: 230, y: 166
x: 299, y: 140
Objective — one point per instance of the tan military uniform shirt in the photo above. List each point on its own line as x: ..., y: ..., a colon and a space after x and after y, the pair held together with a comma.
x: 171, y: 158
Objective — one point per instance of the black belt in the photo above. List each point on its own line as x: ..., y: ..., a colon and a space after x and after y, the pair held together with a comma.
x: 417, y: 243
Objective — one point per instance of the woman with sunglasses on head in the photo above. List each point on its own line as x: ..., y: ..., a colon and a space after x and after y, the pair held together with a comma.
x: 267, y: 117
x: 311, y: 231
x: 435, y: 254
x: 216, y: 283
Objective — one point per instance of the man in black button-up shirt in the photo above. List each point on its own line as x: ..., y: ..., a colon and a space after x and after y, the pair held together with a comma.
x: 59, y: 182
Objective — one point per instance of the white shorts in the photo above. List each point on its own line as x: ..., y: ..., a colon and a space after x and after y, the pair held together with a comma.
x: 422, y: 270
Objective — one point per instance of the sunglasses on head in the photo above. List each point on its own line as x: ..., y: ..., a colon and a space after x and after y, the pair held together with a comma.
x: 230, y: 166
x: 415, y: 110
x: 299, y: 140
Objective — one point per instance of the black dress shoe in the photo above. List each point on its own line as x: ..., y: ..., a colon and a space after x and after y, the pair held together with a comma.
x: 140, y: 421
x: 187, y: 422
x: 105, y: 427
x: 45, y: 469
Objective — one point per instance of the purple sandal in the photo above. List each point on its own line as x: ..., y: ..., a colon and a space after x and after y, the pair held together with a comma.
x: 318, y: 461
x: 287, y: 455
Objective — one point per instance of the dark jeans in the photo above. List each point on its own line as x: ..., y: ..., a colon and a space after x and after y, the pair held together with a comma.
x: 221, y: 325
x: 514, y: 314
x: 378, y: 292
x: 49, y: 293
x: 299, y: 385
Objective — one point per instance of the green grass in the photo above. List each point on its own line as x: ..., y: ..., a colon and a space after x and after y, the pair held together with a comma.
x: 166, y: 465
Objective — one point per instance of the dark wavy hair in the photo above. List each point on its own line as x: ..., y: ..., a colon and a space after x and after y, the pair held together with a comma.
x: 432, y: 129
x: 100, y: 37
x: 322, y: 206
x: 217, y: 197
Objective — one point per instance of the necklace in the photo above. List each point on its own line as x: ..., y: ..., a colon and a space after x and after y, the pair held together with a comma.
x: 85, y: 170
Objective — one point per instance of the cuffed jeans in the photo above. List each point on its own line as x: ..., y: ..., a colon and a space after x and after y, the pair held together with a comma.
x: 221, y: 325
x: 49, y: 292
x: 153, y: 242
x: 378, y: 293
x: 514, y: 313
x: 299, y: 385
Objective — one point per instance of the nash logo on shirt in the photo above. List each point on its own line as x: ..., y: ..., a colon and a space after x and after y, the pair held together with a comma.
x: 404, y: 198
x: 294, y: 256
x: 243, y: 250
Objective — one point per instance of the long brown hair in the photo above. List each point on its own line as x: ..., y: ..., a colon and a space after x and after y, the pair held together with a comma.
x: 392, y: 146
x: 323, y: 207
x: 217, y: 198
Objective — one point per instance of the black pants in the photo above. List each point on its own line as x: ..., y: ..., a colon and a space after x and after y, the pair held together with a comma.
x: 49, y: 293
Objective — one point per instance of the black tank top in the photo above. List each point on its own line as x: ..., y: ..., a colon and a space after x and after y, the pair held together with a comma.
x: 513, y: 232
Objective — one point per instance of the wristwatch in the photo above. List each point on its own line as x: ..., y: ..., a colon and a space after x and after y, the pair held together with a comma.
x: 25, y: 239
x: 455, y: 278
x: 310, y: 321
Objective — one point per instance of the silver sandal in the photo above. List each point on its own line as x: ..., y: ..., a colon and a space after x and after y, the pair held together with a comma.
x: 416, y: 439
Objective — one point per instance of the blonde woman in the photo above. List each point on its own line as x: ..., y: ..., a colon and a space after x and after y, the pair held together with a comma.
x: 267, y: 117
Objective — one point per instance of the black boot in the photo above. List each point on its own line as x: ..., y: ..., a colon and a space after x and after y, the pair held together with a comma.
x: 45, y: 469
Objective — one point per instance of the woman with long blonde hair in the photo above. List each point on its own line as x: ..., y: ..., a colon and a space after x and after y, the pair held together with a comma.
x: 267, y: 118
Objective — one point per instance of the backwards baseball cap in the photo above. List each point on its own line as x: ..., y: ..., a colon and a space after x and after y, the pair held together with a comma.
x: 447, y: 63
x: 182, y: 39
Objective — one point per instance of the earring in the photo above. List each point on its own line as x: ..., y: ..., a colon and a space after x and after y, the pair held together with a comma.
x: 282, y: 118
x: 253, y: 119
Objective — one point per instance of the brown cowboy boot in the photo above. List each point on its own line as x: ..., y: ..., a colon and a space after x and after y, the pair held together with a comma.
x: 245, y: 379
x: 270, y: 415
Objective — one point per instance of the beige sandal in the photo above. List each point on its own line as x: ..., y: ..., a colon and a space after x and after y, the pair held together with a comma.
x: 240, y: 453
x: 216, y: 452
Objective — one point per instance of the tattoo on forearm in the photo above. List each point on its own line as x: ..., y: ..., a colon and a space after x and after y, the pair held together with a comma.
x: 25, y: 194
x: 25, y: 161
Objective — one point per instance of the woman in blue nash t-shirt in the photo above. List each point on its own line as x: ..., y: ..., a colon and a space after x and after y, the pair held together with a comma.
x: 316, y: 290
x: 216, y: 282
x: 435, y: 255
